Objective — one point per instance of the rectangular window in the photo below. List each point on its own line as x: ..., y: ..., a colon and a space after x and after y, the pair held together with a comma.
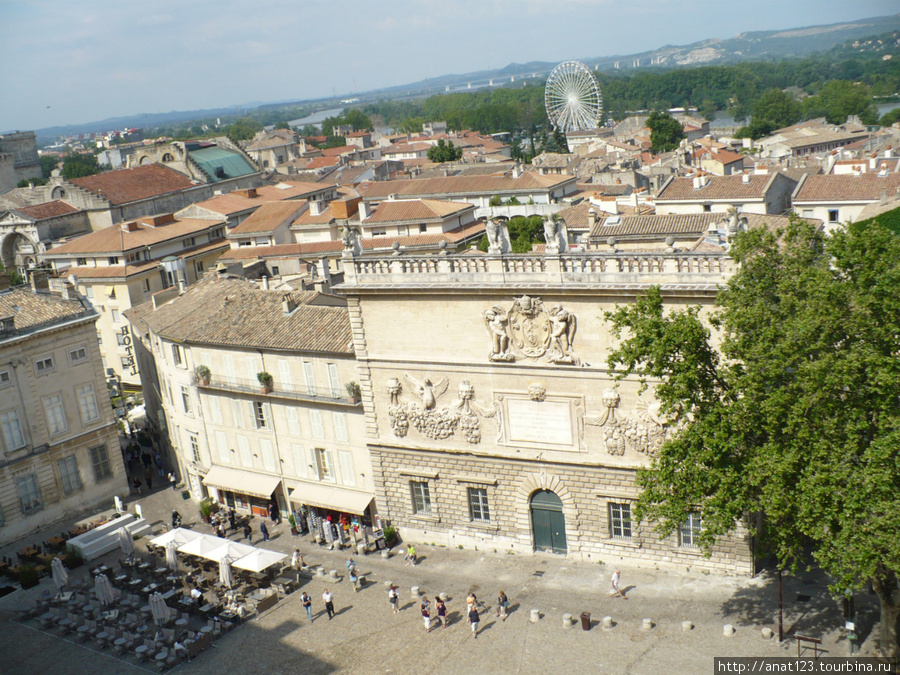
x: 176, y: 355
x: 81, y: 262
x: 478, y: 505
x: 299, y: 453
x: 252, y: 370
x: 78, y: 355
x: 186, y: 401
x: 323, y: 464
x: 261, y: 413
x: 348, y: 477
x: 87, y: 403
x: 5, y: 378
x: 310, y: 378
x: 267, y: 451
x: 340, y: 426
x: 113, y: 260
x: 229, y: 368
x: 89, y: 292
x: 12, y: 430
x: 215, y: 409
x: 690, y: 530
x: 244, y: 451
x: 237, y: 413
x: 421, y: 497
x: 29, y: 495
x: 423, y: 228
x: 620, y: 521
x: 832, y: 215
x: 100, y: 463
x: 275, y: 270
x: 146, y: 285
x: 114, y: 313
x: 56, y: 414
x: 284, y: 374
x: 195, y: 447
x: 120, y: 339
x: 68, y: 475
x: 43, y: 366
x: 222, y: 447
x: 293, y: 417
x: 333, y: 380
x: 315, y: 420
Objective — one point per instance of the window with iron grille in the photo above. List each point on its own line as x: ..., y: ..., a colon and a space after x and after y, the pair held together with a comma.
x: 620, y: 521
x: 690, y: 530
x: 56, y: 414
x: 478, y: 505
x: 29, y: 494
x: 100, y: 463
x: 195, y: 447
x: 87, y: 403
x: 68, y: 474
x: 186, y: 401
x: 421, y: 497
x: 12, y: 430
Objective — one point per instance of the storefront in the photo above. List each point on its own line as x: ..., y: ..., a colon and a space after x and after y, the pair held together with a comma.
x: 332, y: 515
x: 243, y: 491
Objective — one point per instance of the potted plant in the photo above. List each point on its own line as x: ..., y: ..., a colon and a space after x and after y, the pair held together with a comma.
x: 72, y: 558
x: 353, y: 391
x: 293, y: 523
x: 206, y: 509
x: 203, y: 373
x: 29, y: 576
x: 265, y: 380
x: 390, y: 536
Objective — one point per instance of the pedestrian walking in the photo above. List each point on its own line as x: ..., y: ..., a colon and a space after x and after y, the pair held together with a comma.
x: 148, y: 478
x: 264, y: 531
x: 297, y: 560
x: 248, y: 532
x: 441, y: 611
x: 394, y: 599
x: 173, y: 480
x: 426, y: 614
x: 473, y: 620
x: 614, y: 582
x: 410, y: 558
x: 471, y: 600
x: 306, y: 601
x: 136, y: 484
x: 231, y: 519
x: 502, y: 605
x: 328, y: 599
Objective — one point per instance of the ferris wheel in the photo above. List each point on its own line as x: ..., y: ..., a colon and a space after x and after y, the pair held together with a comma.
x: 572, y: 97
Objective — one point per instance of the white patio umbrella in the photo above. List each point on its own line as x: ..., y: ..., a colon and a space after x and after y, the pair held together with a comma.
x: 228, y: 549
x: 126, y: 541
x: 172, y: 556
x: 225, y: 575
x: 259, y: 560
x: 103, y: 589
x: 201, y: 546
x: 60, y: 576
x: 158, y: 609
x: 179, y: 535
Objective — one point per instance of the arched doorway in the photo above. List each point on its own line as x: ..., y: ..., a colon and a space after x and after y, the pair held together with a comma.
x: 548, y: 525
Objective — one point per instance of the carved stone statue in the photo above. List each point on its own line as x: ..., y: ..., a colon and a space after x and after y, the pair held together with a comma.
x: 551, y: 235
x: 394, y: 389
x: 427, y: 391
x: 350, y: 238
x: 562, y: 334
x: 496, y: 320
x: 498, y: 235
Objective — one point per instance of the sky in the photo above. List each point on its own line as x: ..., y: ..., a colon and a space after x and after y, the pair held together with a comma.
x: 76, y: 61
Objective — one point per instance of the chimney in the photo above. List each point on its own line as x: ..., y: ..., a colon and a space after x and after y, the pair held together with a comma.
x: 517, y: 170
x: 265, y: 283
x: 889, y: 152
x: 392, y: 196
x: 363, y: 211
x: 316, y: 207
x: 592, y: 219
x: 40, y: 280
x: 745, y: 178
x: 287, y: 304
x: 130, y: 226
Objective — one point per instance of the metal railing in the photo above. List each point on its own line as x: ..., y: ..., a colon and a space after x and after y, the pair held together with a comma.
x: 300, y: 392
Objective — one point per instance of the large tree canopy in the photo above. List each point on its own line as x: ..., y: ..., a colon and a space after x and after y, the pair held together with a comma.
x: 795, y: 414
x: 77, y: 165
x: 665, y: 131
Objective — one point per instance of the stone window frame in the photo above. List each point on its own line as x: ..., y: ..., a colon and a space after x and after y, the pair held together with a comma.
x: 691, y: 547
x: 428, y: 478
x: 613, y: 497
x: 484, y: 483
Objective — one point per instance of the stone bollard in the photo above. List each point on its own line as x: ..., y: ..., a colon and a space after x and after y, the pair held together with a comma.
x: 443, y: 597
x: 568, y: 622
x: 767, y: 633
x: 686, y: 626
x: 607, y: 623
x: 385, y: 554
x: 361, y: 548
x: 647, y: 624
x: 320, y: 572
x: 535, y: 616
x: 728, y: 630
x: 415, y: 591
x: 332, y: 574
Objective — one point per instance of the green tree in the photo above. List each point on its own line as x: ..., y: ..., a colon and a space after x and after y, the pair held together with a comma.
x: 335, y: 142
x: 665, y: 131
x: 37, y: 180
x: 795, y: 415
x: 357, y: 119
x: 708, y: 109
x: 282, y: 125
x: 77, y: 165
x: 840, y: 99
x: 410, y: 125
x: 777, y: 108
x: 48, y: 164
x: 243, y: 129
x: 444, y: 152
x: 890, y: 117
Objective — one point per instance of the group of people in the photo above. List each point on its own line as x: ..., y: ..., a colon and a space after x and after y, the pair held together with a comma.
x: 440, y: 609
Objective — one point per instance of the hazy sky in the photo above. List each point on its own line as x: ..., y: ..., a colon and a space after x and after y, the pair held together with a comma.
x: 74, y: 61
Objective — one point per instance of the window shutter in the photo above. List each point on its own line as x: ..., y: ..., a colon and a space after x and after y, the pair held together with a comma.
x: 268, y: 454
x: 215, y: 409
x: 348, y: 477
x: 299, y: 460
x: 318, y: 428
x: 222, y: 448
x: 244, y: 449
x: 340, y: 426
x: 238, y: 413
x: 310, y: 378
x: 284, y: 372
x: 293, y: 421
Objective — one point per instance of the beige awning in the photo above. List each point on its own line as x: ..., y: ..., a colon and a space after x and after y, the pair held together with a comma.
x: 329, y: 497
x: 242, y: 482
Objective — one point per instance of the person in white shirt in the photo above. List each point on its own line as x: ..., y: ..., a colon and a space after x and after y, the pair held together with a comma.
x: 328, y: 599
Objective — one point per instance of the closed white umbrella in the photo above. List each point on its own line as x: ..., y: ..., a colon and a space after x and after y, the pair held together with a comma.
x: 126, y: 541
x: 60, y: 576
x: 172, y: 556
x: 103, y: 589
x: 158, y: 609
x: 225, y: 575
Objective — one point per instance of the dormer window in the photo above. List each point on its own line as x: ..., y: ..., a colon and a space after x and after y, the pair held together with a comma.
x: 113, y: 260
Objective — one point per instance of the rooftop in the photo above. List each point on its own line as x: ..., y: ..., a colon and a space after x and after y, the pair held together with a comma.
x: 48, y: 210
x: 461, y: 185
x: 415, y: 209
x: 867, y: 187
x: 221, y: 164
x: 135, y: 234
x: 32, y: 311
x: 130, y: 185
x: 737, y: 186
x: 269, y: 216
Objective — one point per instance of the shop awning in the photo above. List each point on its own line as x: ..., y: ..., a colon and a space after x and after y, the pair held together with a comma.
x: 328, y: 497
x: 242, y: 482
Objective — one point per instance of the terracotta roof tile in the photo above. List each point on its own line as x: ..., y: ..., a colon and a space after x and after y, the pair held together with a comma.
x: 456, y: 185
x: 48, y: 210
x: 116, y: 240
x: 415, y: 209
x: 719, y: 187
x: 269, y: 216
x: 130, y: 185
x: 31, y: 311
x: 867, y: 187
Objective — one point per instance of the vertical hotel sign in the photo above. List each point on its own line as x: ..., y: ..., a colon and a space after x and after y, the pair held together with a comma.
x: 128, y: 362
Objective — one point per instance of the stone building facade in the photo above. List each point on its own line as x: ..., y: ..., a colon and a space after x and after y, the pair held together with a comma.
x: 18, y: 159
x: 491, y: 415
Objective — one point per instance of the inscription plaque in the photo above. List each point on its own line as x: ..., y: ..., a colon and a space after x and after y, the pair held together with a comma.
x: 540, y: 422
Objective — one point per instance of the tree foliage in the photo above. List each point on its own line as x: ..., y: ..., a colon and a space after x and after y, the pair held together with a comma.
x: 795, y: 415
x: 37, y: 180
x: 665, y: 131
x: 890, y: 117
x: 353, y: 117
x: 76, y: 165
x: 777, y: 108
x: 243, y: 129
x: 838, y: 99
x: 444, y: 152
x: 48, y: 164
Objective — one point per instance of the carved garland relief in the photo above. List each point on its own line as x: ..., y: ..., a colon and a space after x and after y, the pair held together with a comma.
x: 528, y: 330
x: 645, y: 434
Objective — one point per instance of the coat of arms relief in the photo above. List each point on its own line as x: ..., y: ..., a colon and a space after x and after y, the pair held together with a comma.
x: 528, y: 330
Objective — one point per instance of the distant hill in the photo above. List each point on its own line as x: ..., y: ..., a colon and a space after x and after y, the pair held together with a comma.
x: 754, y: 46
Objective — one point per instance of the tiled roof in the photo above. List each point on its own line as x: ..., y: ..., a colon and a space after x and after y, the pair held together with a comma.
x: 398, y: 148
x: 725, y: 156
x: 416, y: 209
x: 32, y: 311
x: 48, y: 210
x: 288, y: 190
x: 137, y: 268
x: 116, y: 240
x: 229, y: 203
x: 307, y: 218
x: 269, y: 216
x: 340, y: 150
x: 236, y: 313
x: 681, y: 224
x: 130, y: 185
x: 719, y: 187
x: 456, y: 185
x: 271, y: 142
x: 323, y: 162
x: 867, y: 187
